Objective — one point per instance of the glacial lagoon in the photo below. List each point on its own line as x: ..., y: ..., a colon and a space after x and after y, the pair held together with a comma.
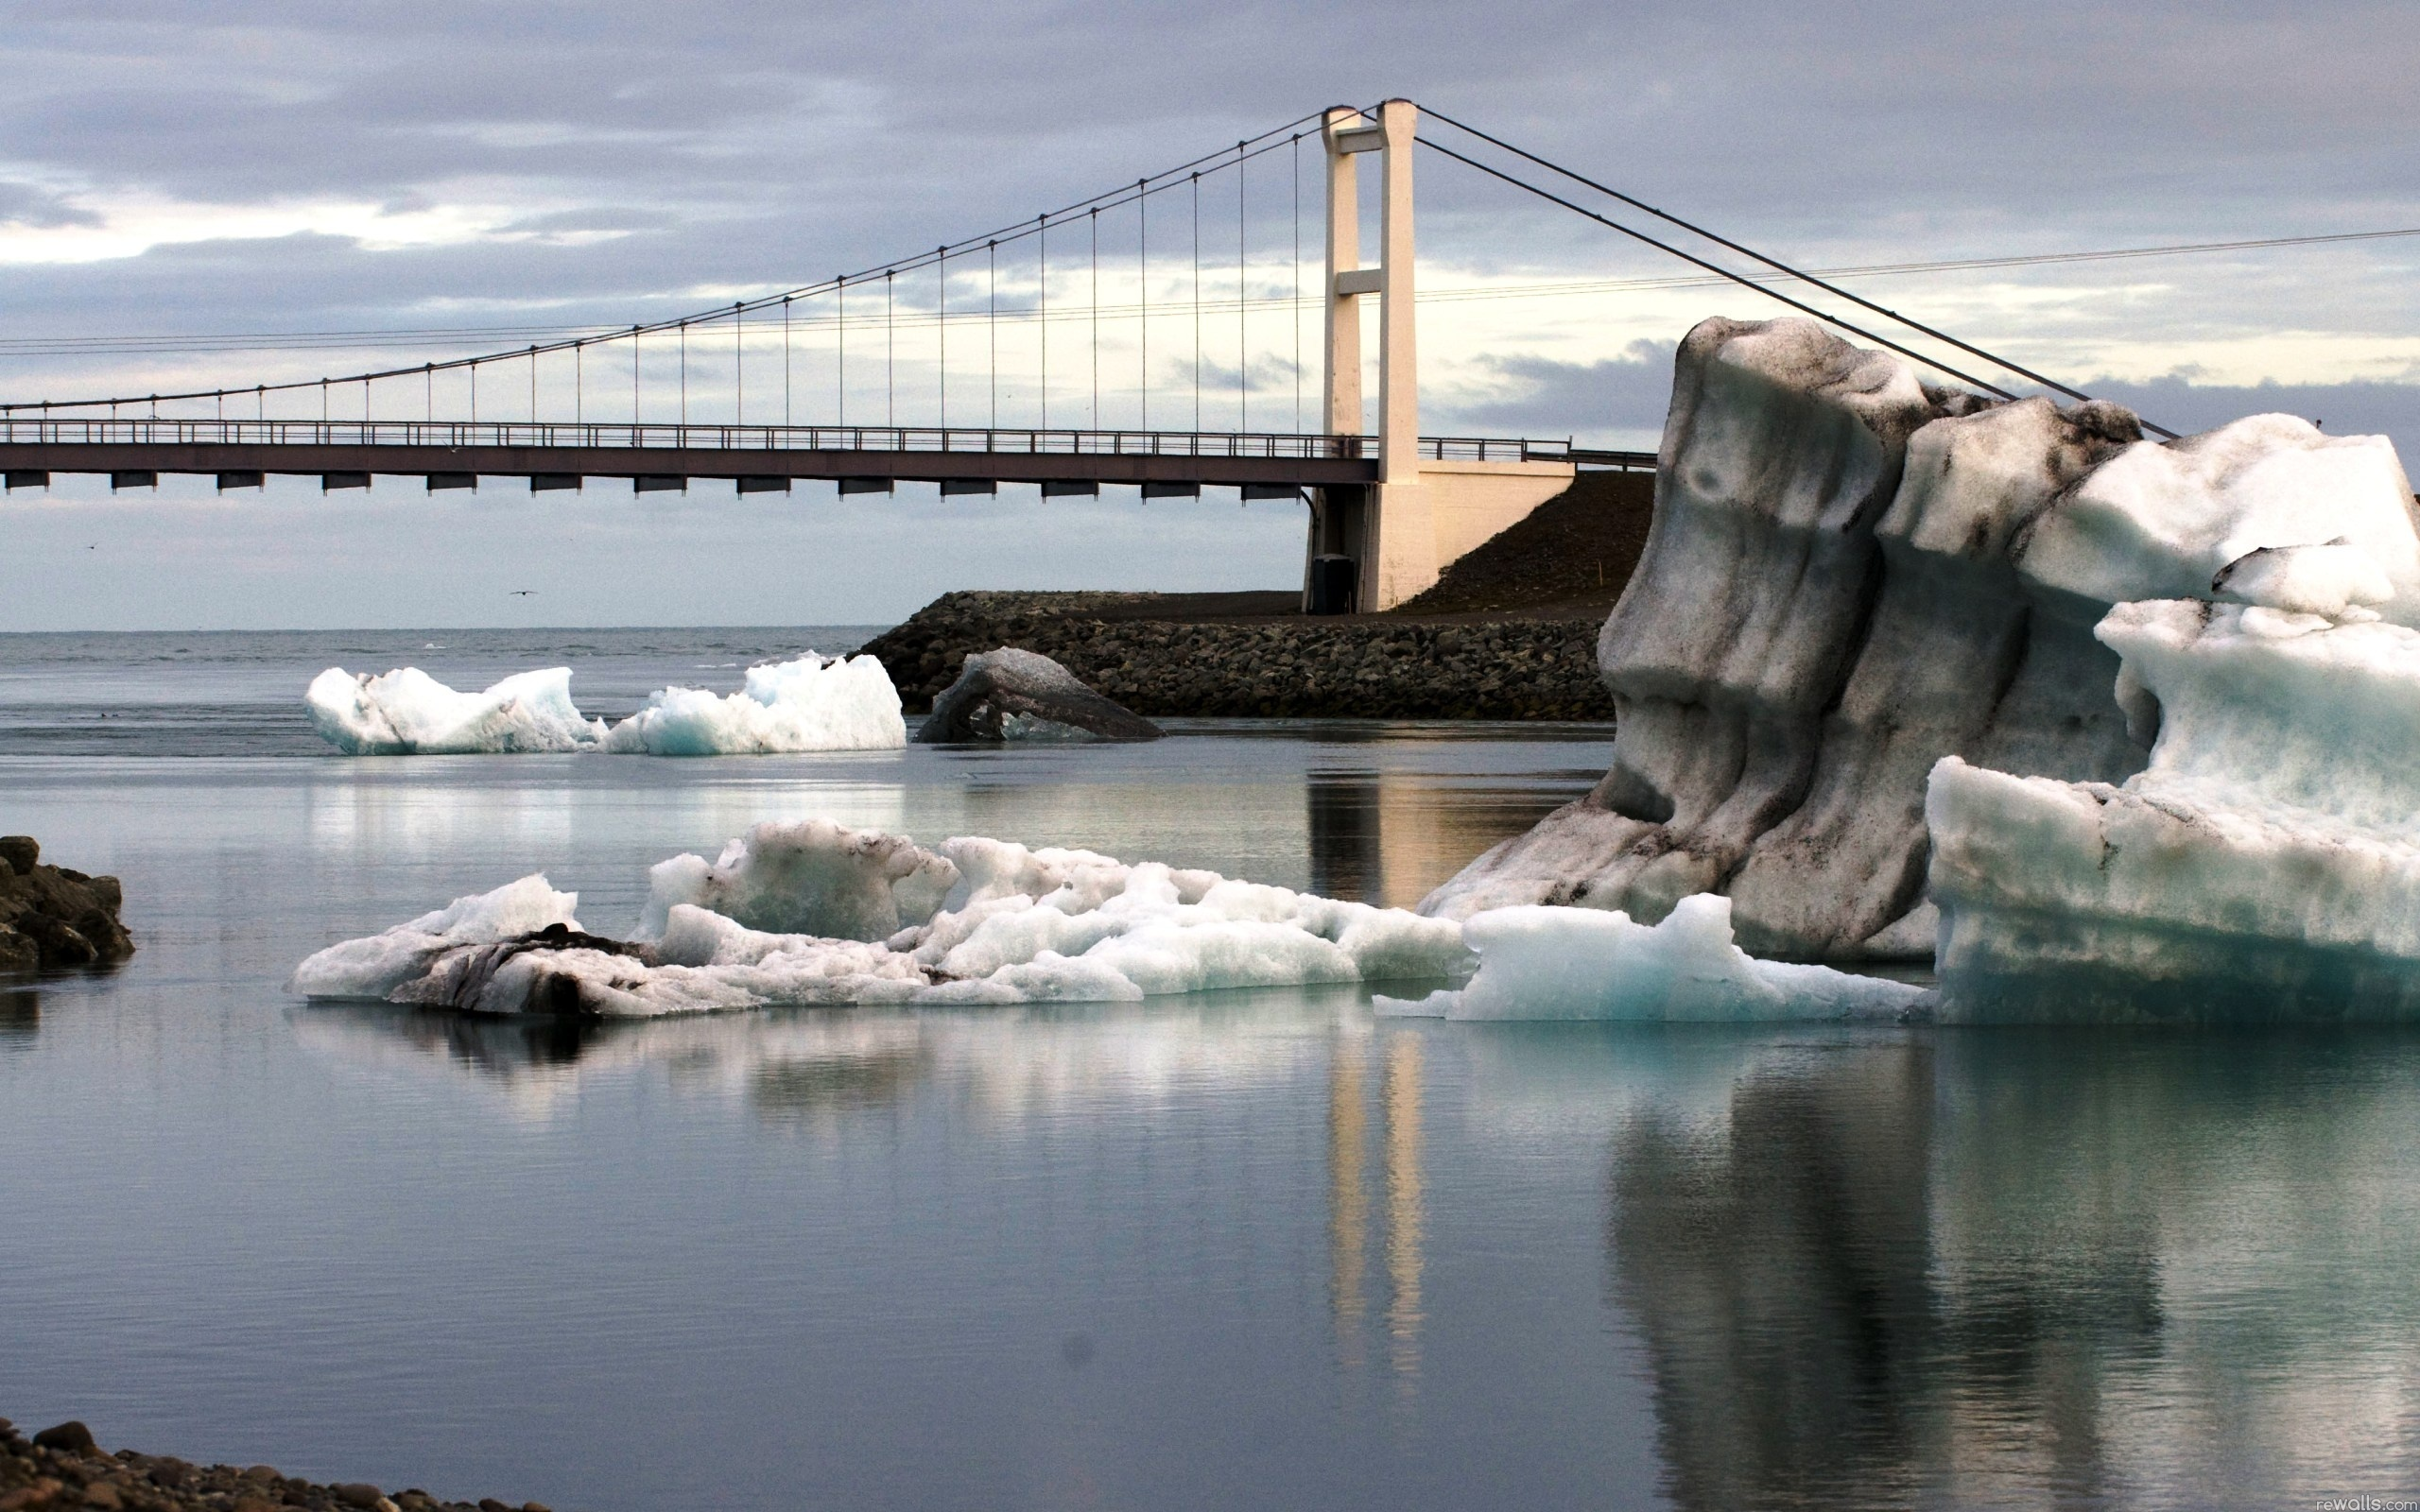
x: 1239, y: 1248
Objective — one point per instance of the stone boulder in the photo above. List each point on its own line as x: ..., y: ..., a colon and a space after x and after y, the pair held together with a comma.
x: 1011, y: 694
x: 51, y: 918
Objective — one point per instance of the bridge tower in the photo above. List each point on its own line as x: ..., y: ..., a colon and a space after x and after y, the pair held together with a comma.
x: 1422, y: 513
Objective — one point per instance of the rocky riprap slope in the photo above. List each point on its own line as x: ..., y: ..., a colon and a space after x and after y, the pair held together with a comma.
x: 61, y: 1467
x: 51, y: 918
x: 1266, y: 665
x: 1567, y: 558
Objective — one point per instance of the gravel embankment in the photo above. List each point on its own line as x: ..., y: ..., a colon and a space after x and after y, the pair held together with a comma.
x: 61, y: 1467
x: 1372, y: 666
x: 1509, y: 632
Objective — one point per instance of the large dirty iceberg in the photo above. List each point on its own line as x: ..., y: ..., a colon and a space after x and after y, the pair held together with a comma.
x: 812, y: 703
x: 876, y: 918
x: 2123, y: 727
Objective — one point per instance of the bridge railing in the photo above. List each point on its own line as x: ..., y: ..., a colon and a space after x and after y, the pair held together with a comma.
x: 550, y: 435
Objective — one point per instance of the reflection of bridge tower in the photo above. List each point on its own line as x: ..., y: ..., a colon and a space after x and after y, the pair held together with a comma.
x: 1422, y: 512
x: 1349, y: 1205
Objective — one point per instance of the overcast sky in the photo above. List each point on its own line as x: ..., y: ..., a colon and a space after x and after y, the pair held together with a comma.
x: 172, y: 170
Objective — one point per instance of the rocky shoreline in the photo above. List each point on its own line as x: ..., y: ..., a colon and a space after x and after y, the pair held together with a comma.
x: 52, y: 919
x: 1507, y: 632
x: 1143, y: 651
x: 62, y: 1468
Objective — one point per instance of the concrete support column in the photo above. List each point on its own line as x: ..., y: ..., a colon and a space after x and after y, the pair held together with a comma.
x: 1396, y: 540
x: 1342, y: 350
x: 1336, y: 515
x: 1398, y: 346
x: 1402, y: 559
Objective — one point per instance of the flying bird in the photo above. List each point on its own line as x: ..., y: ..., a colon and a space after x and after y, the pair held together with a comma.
x: 522, y: 592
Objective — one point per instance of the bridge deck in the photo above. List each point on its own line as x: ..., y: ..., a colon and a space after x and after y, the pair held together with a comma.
x: 32, y: 448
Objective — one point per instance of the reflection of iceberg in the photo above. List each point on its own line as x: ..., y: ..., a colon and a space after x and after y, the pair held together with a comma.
x: 981, y: 922
x: 808, y: 704
x: 1902, y: 1271
x: 1006, y: 1069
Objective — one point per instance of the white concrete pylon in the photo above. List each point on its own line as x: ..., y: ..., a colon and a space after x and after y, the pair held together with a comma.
x: 1417, y: 517
x: 1398, y: 350
x: 1343, y: 347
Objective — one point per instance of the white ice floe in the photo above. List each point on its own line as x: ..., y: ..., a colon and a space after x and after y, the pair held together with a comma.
x: 982, y: 921
x: 805, y: 705
x: 1542, y: 962
x: 2266, y: 865
x: 809, y: 704
x: 408, y: 712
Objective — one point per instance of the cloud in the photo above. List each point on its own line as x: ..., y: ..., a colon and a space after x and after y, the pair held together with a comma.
x: 1616, y: 400
x: 253, y: 167
x: 22, y: 204
x: 2392, y: 410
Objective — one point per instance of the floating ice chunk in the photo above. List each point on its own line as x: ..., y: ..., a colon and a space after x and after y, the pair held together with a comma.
x: 807, y: 876
x: 379, y: 965
x: 2160, y: 520
x: 809, y: 704
x: 1028, y: 926
x: 1545, y: 962
x: 2266, y: 865
x: 409, y: 713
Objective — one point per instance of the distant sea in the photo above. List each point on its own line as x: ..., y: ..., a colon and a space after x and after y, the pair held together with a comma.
x: 239, y: 692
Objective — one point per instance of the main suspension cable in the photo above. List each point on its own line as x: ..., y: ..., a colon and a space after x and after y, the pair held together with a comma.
x: 1773, y: 263
x: 1167, y: 178
x: 1551, y: 196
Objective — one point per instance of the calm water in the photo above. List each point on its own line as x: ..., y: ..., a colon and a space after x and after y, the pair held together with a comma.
x: 1253, y: 1250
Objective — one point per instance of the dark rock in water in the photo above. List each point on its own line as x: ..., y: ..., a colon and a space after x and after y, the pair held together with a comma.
x: 996, y: 691
x: 52, y: 918
x: 62, y: 1468
x: 70, y: 1437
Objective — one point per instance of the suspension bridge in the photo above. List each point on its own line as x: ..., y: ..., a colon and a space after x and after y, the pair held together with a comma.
x: 1203, y: 330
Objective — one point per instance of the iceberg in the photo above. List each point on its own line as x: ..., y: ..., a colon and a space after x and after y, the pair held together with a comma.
x: 1903, y: 671
x: 982, y: 921
x: 2264, y: 866
x: 1540, y: 962
x: 1830, y: 600
x: 809, y: 704
x: 408, y: 712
